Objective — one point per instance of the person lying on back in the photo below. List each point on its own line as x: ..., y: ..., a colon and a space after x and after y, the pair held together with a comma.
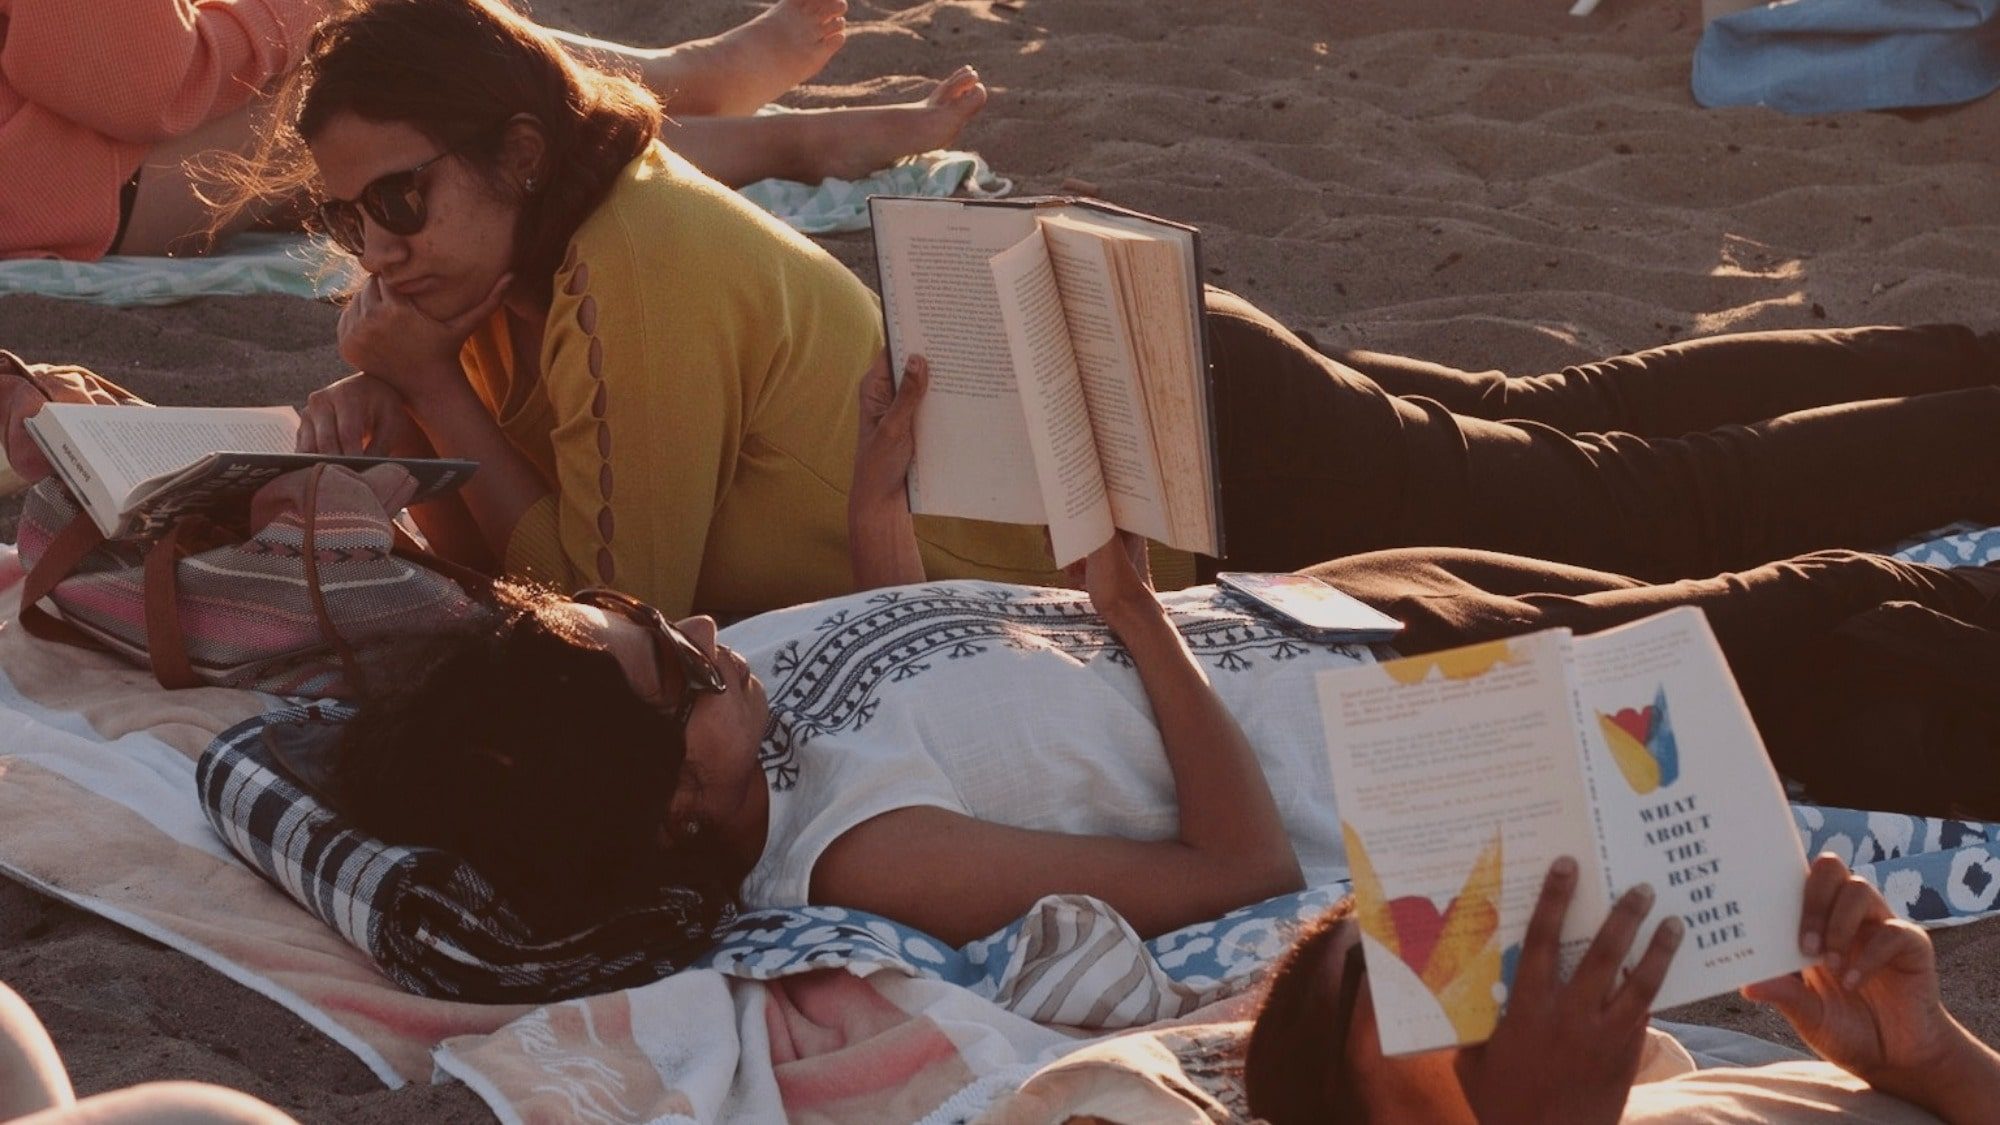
x: 1569, y: 1050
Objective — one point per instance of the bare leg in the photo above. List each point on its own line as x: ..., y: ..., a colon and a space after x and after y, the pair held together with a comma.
x: 845, y: 143
x: 31, y: 1075
x: 168, y: 217
x: 735, y: 72
x: 34, y: 1089
x: 164, y: 1103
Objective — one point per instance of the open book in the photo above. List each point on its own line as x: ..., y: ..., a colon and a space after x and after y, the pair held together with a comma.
x: 1069, y: 367
x: 1461, y: 775
x: 136, y: 468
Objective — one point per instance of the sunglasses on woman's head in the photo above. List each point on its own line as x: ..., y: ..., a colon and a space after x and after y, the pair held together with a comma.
x: 699, y: 674
x: 394, y: 201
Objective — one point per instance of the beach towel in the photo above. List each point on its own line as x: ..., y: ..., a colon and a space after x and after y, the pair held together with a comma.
x: 801, y: 1013
x: 298, y: 266
x: 1836, y: 56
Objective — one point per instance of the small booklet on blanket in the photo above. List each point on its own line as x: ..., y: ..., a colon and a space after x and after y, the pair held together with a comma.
x: 1463, y: 774
x: 137, y: 468
x: 1069, y: 367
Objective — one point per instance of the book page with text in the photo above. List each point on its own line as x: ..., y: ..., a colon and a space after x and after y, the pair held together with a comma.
x: 1156, y: 283
x: 1053, y: 401
x: 1101, y: 337
x: 1160, y: 282
x: 130, y: 445
x: 1458, y: 784
x: 1687, y: 801
x: 973, y: 455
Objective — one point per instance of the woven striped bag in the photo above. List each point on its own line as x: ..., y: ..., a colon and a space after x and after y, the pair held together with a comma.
x: 289, y: 607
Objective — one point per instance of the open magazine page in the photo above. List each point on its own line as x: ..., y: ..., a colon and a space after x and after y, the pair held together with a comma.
x: 1688, y: 802
x: 1459, y: 783
x: 973, y: 456
x: 1106, y: 363
x: 1052, y: 400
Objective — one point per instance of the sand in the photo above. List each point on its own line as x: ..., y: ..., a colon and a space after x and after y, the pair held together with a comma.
x: 1489, y: 185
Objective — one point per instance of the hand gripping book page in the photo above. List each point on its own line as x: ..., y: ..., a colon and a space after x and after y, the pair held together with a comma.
x: 939, y: 299
x: 1462, y: 775
x: 1094, y: 315
x: 138, y: 468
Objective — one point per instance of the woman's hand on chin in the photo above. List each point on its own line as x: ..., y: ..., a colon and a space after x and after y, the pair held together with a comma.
x: 360, y: 416
x: 384, y: 334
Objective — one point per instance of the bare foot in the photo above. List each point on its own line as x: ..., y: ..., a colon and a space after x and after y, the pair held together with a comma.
x: 860, y: 140
x: 750, y: 64
x: 845, y: 142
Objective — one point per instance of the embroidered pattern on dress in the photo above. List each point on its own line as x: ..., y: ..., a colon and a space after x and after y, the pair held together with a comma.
x: 578, y: 285
x: 830, y: 682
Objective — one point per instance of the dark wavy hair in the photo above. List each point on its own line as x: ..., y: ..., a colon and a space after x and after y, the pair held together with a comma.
x: 458, y: 71
x: 1287, y: 1060
x: 515, y: 743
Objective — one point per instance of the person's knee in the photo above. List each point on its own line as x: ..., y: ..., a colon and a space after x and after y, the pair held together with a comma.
x: 167, y: 1103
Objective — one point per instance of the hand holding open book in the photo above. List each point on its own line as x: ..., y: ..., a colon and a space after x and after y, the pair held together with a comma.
x: 1461, y: 775
x: 135, y: 469
x: 1069, y: 371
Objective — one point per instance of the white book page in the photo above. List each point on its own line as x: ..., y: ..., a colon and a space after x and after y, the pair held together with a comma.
x: 1053, y: 401
x: 1160, y: 276
x: 1176, y: 388
x: 1107, y: 364
x: 1458, y: 785
x: 973, y: 455
x: 126, y: 446
x: 1688, y: 802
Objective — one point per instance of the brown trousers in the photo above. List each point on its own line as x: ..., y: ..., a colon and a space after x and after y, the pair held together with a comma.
x: 1682, y: 461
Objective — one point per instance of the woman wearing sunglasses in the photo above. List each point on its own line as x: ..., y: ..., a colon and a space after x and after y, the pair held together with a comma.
x: 656, y: 378
x: 947, y: 753
x: 658, y: 381
x: 1579, y: 1050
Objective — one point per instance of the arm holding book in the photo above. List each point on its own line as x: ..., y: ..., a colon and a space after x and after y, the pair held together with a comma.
x: 25, y: 388
x: 1871, y: 1005
x: 881, y: 535
x: 936, y: 869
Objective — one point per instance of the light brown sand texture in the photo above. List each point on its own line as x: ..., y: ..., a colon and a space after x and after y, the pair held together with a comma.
x: 1486, y: 184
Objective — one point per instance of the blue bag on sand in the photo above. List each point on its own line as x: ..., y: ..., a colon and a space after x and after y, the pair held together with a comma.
x: 1835, y: 56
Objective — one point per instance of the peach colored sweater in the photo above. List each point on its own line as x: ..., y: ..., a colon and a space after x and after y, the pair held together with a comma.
x: 87, y: 87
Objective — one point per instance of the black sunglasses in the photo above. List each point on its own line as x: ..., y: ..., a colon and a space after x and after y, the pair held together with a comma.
x: 394, y: 201
x: 699, y: 674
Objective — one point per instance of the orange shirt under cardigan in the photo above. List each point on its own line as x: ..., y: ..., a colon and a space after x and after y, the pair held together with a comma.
x: 88, y: 87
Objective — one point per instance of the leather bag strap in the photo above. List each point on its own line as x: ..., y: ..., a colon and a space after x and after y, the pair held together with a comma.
x: 166, y: 644
x: 350, y: 665
x: 65, y: 553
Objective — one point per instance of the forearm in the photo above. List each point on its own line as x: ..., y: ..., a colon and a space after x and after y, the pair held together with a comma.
x: 882, y: 544
x: 1963, y: 1090
x: 505, y: 486
x: 451, y: 531
x: 1226, y: 807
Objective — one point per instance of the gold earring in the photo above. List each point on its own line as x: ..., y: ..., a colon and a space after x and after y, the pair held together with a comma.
x: 691, y: 829
x: 528, y: 185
